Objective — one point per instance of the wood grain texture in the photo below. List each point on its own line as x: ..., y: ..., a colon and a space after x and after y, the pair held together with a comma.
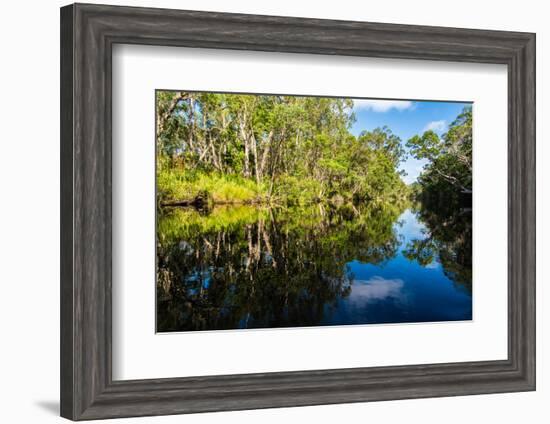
x: 88, y: 33
x: 66, y: 214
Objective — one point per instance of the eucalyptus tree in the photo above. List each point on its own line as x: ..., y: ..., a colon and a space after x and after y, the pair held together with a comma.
x: 282, y: 143
x: 450, y: 156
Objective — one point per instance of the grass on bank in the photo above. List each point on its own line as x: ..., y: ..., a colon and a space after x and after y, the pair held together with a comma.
x: 176, y: 185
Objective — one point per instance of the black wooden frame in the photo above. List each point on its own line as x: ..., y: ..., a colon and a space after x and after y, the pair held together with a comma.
x: 88, y: 33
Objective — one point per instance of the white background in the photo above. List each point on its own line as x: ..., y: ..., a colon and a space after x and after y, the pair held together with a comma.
x: 29, y: 228
x: 139, y: 70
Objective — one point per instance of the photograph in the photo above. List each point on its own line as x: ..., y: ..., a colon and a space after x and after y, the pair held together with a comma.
x: 298, y: 211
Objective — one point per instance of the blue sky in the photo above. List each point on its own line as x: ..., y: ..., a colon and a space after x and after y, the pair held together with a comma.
x: 405, y: 119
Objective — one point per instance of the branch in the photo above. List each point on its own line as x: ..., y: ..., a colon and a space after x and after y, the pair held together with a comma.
x: 162, y: 118
x: 452, y: 180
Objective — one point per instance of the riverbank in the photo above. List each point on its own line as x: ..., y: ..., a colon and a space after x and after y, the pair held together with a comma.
x: 176, y: 187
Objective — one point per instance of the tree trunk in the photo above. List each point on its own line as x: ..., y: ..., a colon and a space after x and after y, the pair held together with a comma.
x: 162, y: 118
x: 192, y: 123
x: 255, y: 157
x: 265, y: 154
x: 244, y: 136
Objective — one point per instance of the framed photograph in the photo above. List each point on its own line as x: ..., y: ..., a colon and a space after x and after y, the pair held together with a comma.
x: 264, y: 211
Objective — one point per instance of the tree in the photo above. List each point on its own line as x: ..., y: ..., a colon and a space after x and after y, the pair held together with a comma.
x: 449, y: 156
x: 274, y: 141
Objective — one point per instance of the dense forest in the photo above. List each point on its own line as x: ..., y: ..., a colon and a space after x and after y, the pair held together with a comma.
x: 279, y: 150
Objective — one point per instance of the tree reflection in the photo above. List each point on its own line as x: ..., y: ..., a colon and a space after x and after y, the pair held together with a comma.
x: 245, y: 267
x: 448, y: 238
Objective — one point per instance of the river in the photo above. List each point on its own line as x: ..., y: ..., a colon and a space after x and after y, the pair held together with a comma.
x: 239, y: 267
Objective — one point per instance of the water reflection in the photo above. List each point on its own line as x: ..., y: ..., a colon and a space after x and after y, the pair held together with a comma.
x: 376, y: 289
x: 247, y: 267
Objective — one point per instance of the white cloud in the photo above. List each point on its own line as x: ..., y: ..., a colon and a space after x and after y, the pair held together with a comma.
x: 381, y: 105
x: 436, y: 126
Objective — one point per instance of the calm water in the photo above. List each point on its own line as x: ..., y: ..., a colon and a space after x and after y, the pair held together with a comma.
x: 244, y: 267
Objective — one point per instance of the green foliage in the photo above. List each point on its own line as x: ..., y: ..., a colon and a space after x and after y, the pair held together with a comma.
x: 282, y: 150
x: 177, y: 184
x: 293, y: 191
x: 293, y: 197
x: 449, y: 171
x: 383, y: 141
x: 444, y: 190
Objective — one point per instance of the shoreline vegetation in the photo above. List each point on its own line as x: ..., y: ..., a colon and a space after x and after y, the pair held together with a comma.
x: 217, y: 149
x: 286, y: 151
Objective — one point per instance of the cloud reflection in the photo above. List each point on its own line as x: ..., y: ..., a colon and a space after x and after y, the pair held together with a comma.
x: 376, y: 289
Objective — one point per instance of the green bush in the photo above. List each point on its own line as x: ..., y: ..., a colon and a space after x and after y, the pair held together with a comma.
x: 297, y: 191
x: 178, y: 184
